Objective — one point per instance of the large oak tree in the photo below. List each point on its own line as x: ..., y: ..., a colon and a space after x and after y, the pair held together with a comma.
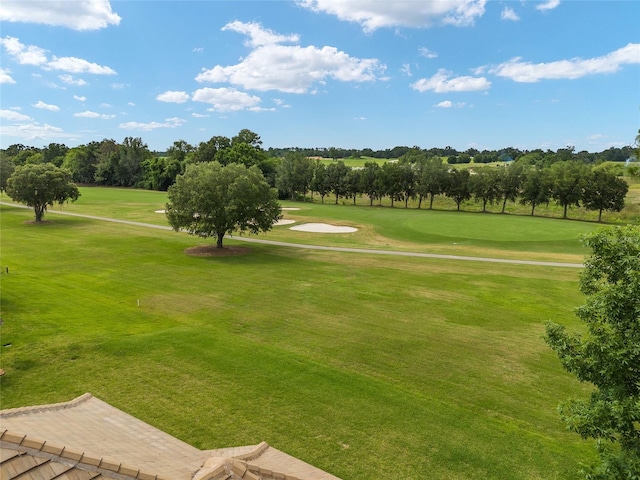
x: 39, y: 185
x: 211, y: 200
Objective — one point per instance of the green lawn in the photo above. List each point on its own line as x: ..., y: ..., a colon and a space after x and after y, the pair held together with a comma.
x: 366, y: 366
x: 436, y: 231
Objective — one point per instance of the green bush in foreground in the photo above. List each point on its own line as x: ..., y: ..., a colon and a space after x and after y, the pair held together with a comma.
x: 609, y: 355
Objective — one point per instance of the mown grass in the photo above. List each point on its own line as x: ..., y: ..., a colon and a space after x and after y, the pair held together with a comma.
x: 427, y: 231
x: 363, y: 365
x: 357, y: 162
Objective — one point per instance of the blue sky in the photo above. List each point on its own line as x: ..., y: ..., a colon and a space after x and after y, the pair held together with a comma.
x: 321, y: 73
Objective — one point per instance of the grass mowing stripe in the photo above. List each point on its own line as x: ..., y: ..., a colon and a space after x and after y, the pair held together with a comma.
x: 355, y: 363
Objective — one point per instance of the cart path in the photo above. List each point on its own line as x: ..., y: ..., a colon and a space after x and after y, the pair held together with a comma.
x: 332, y: 249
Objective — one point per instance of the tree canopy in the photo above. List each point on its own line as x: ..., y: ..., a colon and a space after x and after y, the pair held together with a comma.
x: 608, y: 355
x: 211, y: 200
x: 40, y: 185
x: 604, y: 191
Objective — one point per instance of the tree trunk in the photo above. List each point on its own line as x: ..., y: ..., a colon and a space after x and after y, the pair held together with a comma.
x: 431, y: 202
x: 564, y: 215
x: 419, y: 201
x: 39, y: 211
x: 600, y: 215
x: 484, y: 206
x: 219, y: 240
x: 504, y: 204
x: 533, y: 207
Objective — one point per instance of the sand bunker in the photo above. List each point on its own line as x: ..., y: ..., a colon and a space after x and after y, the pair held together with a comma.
x: 284, y: 222
x: 290, y: 208
x: 323, y: 228
x: 161, y: 211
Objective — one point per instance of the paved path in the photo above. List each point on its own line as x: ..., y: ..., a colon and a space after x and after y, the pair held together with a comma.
x: 333, y: 249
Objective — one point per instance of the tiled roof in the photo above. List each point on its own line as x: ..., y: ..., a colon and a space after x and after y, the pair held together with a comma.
x: 89, y: 439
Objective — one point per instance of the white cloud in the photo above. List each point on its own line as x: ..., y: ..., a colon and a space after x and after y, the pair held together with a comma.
x: 425, y: 52
x: 262, y: 109
x: 146, y: 127
x: 595, y: 136
x: 119, y: 86
x: 449, y: 104
x: 375, y: 14
x: 45, y: 106
x: 520, y: 71
x: 13, y: 116
x: 5, y: 77
x: 175, y: 121
x: 199, y: 115
x: 80, y: 99
x: 33, y: 131
x: 225, y: 99
x: 259, y: 36
x: 79, y: 65
x: 173, y: 97
x: 548, y: 5
x: 288, y: 68
x: 90, y: 114
x: 444, y: 104
x: 105, y: 105
x: 131, y: 104
x: 509, y: 14
x: 198, y: 50
x: 33, y: 55
x: 406, y: 69
x: 24, y: 54
x: 442, y: 83
x: 85, y: 15
x: 70, y: 80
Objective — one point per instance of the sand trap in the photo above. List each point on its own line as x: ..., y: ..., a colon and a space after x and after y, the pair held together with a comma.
x: 284, y: 222
x: 323, y: 228
x: 161, y: 211
x: 290, y: 208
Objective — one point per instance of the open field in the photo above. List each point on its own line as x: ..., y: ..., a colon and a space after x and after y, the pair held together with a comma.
x: 357, y: 162
x: 437, y: 231
x: 366, y: 366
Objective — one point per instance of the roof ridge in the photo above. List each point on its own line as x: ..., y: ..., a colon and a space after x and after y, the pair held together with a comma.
x: 253, y: 454
x: 63, y: 455
x: 214, y: 467
x: 12, y: 412
x: 239, y: 465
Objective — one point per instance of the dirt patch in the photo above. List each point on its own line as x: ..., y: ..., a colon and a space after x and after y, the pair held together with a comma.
x: 213, y: 251
x: 33, y: 222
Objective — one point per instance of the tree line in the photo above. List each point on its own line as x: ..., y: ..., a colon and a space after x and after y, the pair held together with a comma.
x: 531, y: 178
x: 419, y: 177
